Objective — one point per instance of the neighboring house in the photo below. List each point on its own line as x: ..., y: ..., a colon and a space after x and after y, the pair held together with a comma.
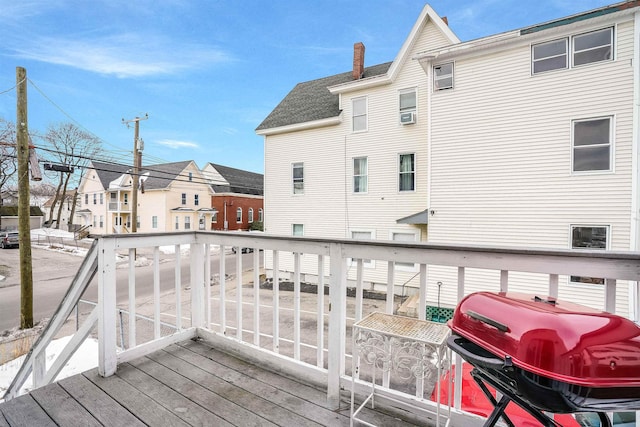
x: 238, y: 198
x: 527, y: 138
x: 9, y: 216
x: 51, y: 216
x: 172, y: 197
x: 9, y: 197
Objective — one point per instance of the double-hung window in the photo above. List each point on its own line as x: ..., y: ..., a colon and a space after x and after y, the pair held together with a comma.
x: 407, y: 103
x: 260, y: 215
x: 591, y: 47
x: 443, y: 76
x: 239, y: 215
x: 187, y: 223
x: 250, y: 215
x: 592, y: 142
x: 589, y: 237
x: 583, y: 49
x: 407, y: 172
x: 359, y: 114
x: 549, y: 56
x: 362, y: 235
x: 297, y: 173
x: 154, y: 221
x: 196, y: 199
x: 86, y: 199
x: 360, y: 176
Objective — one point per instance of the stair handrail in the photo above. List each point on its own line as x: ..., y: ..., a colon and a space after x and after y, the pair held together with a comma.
x: 79, y: 284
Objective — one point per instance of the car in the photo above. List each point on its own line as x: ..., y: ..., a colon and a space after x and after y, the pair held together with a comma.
x: 9, y: 239
x: 244, y: 250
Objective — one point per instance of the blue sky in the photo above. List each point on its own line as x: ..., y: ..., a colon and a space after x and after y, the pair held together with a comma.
x: 208, y: 71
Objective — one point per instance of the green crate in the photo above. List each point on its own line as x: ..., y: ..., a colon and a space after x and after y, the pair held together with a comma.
x: 439, y: 314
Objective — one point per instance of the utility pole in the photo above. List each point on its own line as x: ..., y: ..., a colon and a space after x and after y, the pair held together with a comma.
x: 137, y: 165
x: 24, y: 214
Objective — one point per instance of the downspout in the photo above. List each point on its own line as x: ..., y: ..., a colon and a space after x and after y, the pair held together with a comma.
x: 634, y: 288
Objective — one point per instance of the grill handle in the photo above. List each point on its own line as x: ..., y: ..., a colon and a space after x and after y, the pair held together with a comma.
x: 484, y: 319
x: 475, y: 354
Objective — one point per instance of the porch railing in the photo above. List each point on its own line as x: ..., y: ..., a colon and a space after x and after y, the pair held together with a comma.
x: 235, y: 311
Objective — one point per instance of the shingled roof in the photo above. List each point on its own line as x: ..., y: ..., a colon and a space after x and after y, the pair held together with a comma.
x: 160, y: 175
x: 240, y: 181
x: 312, y: 100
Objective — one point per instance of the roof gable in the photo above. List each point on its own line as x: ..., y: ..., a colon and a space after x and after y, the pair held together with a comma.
x: 317, y: 100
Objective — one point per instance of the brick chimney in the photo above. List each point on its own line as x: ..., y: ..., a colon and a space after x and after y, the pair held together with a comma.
x: 358, y: 60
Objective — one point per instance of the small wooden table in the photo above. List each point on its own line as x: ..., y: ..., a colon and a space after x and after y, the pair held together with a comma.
x: 404, y: 345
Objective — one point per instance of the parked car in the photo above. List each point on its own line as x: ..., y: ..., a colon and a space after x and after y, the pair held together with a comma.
x: 244, y: 250
x: 9, y: 239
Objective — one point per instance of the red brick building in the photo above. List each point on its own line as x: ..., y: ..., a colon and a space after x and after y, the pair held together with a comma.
x: 238, y: 199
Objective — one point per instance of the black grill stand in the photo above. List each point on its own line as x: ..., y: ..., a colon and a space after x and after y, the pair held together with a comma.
x: 508, y: 396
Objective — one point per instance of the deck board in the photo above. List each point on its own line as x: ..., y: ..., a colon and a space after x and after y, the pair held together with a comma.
x: 63, y: 409
x: 189, y: 383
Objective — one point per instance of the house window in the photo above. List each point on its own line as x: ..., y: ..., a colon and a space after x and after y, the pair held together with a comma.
x: 177, y: 223
x: 101, y: 221
x: 549, y: 56
x: 126, y: 198
x: 86, y: 199
x: 407, y: 172
x: 187, y: 223
x: 407, y: 103
x: 239, y: 215
x: 400, y: 236
x: 138, y: 222
x: 362, y: 235
x: 154, y: 222
x: 250, y: 217
x: 591, y: 47
x: 195, y: 200
x: 260, y: 215
x: 214, y: 216
x: 184, y: 198
x: 95, y: 220
x: 190, y: 176
x: 443, y: 76
x: 359, y: 118
x: 95, y: 199
x: 298, y: 178
x: 360, y: 177
x: 589, y: 237
x: 101, y: 199
x: 592, y: 145
x: 297, y: 229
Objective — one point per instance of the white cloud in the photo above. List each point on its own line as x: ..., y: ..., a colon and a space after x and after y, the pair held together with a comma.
x: 125, y: 55
x: 175, y: 144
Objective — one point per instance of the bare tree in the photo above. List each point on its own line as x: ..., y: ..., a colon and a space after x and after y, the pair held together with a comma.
x: 8, y: 163
x: 72, y: 148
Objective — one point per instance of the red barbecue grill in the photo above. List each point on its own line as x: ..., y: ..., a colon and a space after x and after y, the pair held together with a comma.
x: 547, y: 355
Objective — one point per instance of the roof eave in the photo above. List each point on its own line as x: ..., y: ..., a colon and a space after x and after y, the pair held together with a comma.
x: 331, y: 121
x: 365, y: 83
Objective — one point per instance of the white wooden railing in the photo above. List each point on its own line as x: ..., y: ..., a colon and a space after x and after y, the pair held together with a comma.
x: 265, y: 325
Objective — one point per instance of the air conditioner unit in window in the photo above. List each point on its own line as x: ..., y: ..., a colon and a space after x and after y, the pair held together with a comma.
x: 408, y: 118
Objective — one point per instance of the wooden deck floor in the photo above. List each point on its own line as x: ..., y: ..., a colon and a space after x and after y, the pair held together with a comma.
x: 182, y: 385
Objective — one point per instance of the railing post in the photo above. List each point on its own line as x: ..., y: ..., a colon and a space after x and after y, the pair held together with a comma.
x: 107, y: 357
x: 197, y: 285
x: 337, y: 322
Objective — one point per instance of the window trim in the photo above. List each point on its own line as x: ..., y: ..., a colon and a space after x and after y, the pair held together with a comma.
x: 610, y: 144
x: 239, y: 214
x: 436, y: 88
x: 260, y: 215
x: 250, y: 215
x: 183, y: 199
x: 365, y: 115
x: 366, y: 175
x: 399, y: 172
x: 299, y: 180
